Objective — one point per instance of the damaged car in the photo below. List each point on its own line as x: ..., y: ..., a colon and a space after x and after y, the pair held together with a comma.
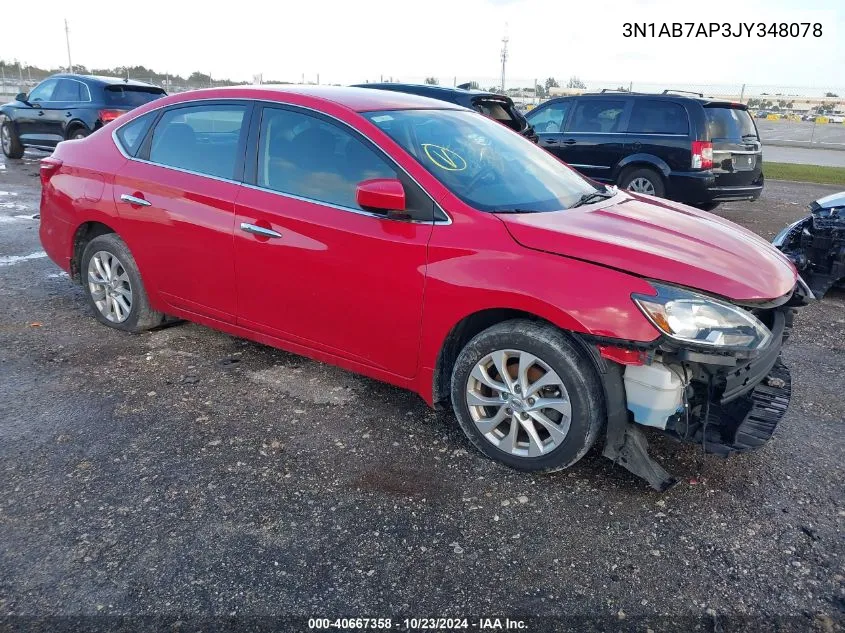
x: 427, y: 246
x: 816, y: 244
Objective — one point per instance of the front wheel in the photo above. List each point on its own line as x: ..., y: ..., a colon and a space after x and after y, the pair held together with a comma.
x: 112, y: 284
x: 9, y: 141
x: 526, y: 396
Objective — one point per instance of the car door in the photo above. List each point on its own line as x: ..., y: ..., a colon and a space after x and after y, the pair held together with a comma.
x: 177, y: 203
x: 593, y: 139
x: 548, y: 122
x: 660, y: 128
x: 31, y: 123
x: 312, y: 266
x: 68, y: 96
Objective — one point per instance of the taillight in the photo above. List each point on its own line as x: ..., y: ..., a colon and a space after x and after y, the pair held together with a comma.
x: 702, y: 155
x: 107, y: 116
x: 49, y: 166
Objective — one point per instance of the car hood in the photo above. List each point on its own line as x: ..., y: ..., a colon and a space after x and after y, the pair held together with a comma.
x: 661, y: 240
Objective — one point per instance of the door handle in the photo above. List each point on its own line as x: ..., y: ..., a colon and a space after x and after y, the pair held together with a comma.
x: 259, y: 230
x: 69, y: 114
x: 570, y: 141
x: 140, y: 202
x: 550, y: 141
x: 41, y: 113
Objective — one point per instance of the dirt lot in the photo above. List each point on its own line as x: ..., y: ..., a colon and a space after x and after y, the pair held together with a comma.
x: 215, y: 482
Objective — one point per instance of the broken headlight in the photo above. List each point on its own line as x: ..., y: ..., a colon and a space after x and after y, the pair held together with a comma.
x: 693, y: 318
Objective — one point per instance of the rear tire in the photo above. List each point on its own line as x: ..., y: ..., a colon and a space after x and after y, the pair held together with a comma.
x: 520, y: 424
x: 78, y: 133
x: 9, y: 140
x: 707, y: 206
x: 112, y: 285
x: 643, y: 180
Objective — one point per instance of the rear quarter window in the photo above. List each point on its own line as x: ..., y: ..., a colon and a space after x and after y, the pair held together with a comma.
x: 729, y: 123
x: 658, y: 117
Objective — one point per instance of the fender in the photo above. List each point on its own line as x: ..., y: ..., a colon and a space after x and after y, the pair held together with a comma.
x: 646, y: 160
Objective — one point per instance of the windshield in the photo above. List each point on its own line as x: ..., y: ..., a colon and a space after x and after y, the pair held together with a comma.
x: 482, y: 162
x: 729, y: 123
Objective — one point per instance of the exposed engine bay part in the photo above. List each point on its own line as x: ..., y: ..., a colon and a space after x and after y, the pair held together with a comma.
x: 816, y: 244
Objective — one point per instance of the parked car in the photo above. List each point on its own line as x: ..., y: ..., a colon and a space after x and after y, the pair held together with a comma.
x: 688, y: 149
x: 835, y: 118
x: 68, y: 107
x: 423, y: 244
x: 498, y: 107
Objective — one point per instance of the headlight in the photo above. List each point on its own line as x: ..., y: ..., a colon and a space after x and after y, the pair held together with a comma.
x: 781, y: 237
x: 693, y: 318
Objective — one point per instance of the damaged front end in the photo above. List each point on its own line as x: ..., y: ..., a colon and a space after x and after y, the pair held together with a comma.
x: 716, y: 379
x: 816, y: 244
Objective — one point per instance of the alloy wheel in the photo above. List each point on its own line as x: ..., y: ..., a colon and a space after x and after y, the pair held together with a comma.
x: 110, y: 287
x: 6, y: 139
x: 518, y: 403
x: 641, y: 185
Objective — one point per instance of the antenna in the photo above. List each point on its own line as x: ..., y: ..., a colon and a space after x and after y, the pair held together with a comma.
x: 67, y: 40
x: 504, y: 55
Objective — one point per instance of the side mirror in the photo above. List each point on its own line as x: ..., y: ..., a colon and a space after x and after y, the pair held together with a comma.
x: 382, y: 194
x: 22, y: 98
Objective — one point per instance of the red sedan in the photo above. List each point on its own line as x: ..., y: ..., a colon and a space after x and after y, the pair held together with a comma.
x: 425, y: 245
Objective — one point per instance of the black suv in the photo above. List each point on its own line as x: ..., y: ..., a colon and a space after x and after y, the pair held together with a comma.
x: 498, y: 107
x: 66, y: 107
x: 690, y: 149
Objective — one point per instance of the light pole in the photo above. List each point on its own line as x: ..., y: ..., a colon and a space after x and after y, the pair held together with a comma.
x: 67, y: 40
x: 504, y: 59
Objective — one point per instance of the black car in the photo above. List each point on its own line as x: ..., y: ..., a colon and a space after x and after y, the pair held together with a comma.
x: 690, y: 149
x: 67, y: 107
x: 498, y: 107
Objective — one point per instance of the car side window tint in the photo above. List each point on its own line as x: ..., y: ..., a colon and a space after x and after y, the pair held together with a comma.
x: 202, y: 139
x: 131, y: 135
x: 43, y: 91
x: 305, y: 156
x: 67, y: 90
x: 658, y: 117
x: 550, y: 119
x: 597, y: 115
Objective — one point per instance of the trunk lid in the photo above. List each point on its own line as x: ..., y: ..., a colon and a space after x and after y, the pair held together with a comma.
x: 661, y: 240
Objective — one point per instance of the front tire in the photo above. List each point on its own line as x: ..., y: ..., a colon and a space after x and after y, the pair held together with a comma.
x: 643, y: 180
x: 113, y: 287
x: 9, y: 141
x: 526, y: 396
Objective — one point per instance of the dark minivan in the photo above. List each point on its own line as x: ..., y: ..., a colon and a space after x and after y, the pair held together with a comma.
x: 498, y: 107
x: 66, y: 107
x: 691, y: 149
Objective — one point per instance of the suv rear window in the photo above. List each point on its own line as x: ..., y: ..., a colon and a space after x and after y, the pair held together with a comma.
x: 658, y: 117
x: 729, y: 123
x: 131, y: 96
x: 497, y: 111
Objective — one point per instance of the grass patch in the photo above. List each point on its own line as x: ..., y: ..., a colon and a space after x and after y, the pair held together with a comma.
x: 805, y: 173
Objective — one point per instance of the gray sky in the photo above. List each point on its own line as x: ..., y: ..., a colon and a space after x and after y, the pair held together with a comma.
x: 353, y: 41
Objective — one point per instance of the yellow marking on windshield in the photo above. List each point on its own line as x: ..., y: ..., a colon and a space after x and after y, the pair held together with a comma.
x: 444, y: 157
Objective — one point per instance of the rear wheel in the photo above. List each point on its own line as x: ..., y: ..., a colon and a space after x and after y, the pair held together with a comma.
x: 643, y: 180
x: 526, y: 396
x: 78, y: 133
x: 9, y: 141
x: 707, y: 206
x: 112, y: 284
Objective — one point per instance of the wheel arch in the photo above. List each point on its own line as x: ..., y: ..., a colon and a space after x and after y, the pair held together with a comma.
x: 84, y: 233
x: 74, y: 125
x: 638, y: 161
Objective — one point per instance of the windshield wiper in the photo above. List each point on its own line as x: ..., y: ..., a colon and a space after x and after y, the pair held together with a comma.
x: 593, y: 195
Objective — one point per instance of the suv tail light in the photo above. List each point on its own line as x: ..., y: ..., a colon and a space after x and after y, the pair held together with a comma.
x: 107, y: 116
x: 702, y: 155
x: 49, y: 166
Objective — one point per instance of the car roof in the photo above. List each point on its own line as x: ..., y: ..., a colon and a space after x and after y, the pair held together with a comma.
x: 103, y: 81
x: 353, y: 98
x: 427, y: 88
x: 668, y: 96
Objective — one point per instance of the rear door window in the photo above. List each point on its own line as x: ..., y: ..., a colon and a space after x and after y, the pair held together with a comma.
x: 70, y: 90
x: 658, y: 117
x: 550, y: 120
x: 204, y: 139
x: 725, y: 123
x: 599, y: 116
x: 131, y: 96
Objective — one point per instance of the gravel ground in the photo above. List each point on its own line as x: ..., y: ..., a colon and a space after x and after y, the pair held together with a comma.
x: 214, y: 482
